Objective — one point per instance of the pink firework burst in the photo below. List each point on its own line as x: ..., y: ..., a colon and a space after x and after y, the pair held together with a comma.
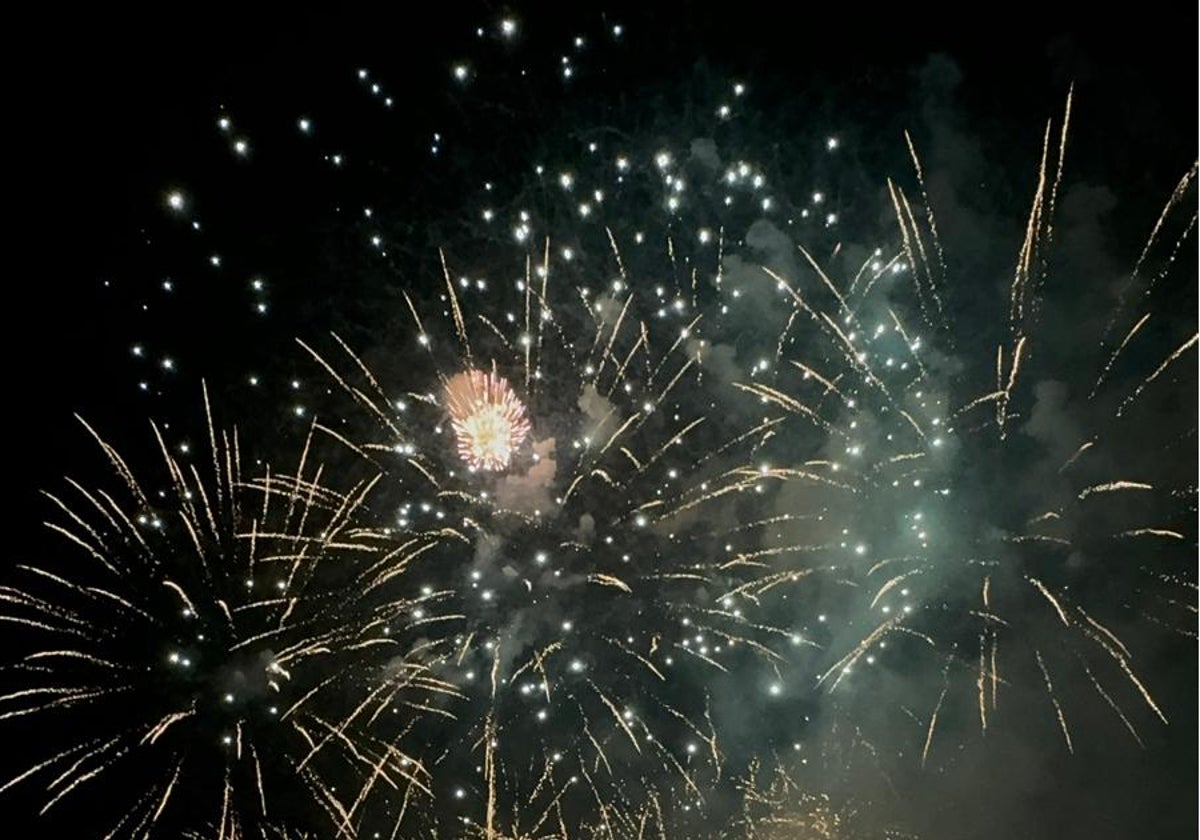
x: 488, y: 418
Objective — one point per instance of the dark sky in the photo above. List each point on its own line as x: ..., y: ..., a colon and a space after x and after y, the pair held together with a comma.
x: 113, y: 100
x: 111, y: 106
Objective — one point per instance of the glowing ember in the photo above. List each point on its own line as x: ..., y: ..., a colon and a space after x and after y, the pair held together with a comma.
x: 488, y: 419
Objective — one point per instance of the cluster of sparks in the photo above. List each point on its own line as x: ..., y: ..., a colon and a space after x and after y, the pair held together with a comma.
x: 189, y: 639
x: 905, y: 433
x: 488, y: 419
x: 538, y: 645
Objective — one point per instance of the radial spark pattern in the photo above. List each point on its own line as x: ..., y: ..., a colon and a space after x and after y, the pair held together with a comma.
x: 190, y: 653
x: 488, y: 419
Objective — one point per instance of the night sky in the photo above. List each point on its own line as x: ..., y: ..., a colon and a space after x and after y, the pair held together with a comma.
x: 123, y: 308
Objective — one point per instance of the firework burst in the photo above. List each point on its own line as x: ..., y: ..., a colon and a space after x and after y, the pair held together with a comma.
x: 193, y: 646
x: 576, y: 600
x: 993, y: 515
x: 488, y: 419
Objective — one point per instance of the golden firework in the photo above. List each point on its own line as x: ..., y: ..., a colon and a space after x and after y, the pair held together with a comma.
x: 488, y: 419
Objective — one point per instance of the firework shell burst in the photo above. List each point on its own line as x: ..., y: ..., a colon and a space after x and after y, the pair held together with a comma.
x: 993, y: 523
x: 577, y: 579
x: 199, y: 633
x: 489, y: 420
x: 659, y: 466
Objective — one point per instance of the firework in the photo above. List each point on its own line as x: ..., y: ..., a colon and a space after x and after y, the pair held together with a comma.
x: 488, y: 419
x: 562, y: 550
x: 778, y: 805
x: 187, y: 649
x: 983, y: 500
x: 586, y: 578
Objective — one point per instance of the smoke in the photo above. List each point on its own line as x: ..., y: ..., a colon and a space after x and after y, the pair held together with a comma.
x: 598, y: 411
x: 530, y: 492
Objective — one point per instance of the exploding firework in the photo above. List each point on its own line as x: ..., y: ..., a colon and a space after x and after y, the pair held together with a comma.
x: 186, y: 652
x: 973, y: 487
x: 489, y: 420
x: 578, y: 578
x: 778, y: 805
x: 592, y: 581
